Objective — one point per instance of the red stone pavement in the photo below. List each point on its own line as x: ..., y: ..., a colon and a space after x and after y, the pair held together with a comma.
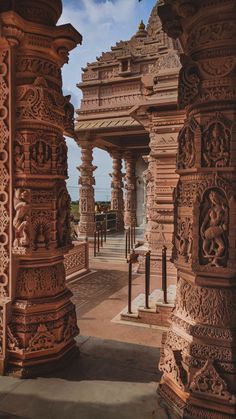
x: 102, y: 294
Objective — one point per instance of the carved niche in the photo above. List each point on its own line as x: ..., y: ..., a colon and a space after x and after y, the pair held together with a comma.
x: 61, y: 158
x: 216, y: 140
x: 40, y: 157
x: 214, y: 228
x: 186, y: 150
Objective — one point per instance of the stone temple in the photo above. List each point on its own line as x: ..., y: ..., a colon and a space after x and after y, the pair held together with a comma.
x: 164, y: 104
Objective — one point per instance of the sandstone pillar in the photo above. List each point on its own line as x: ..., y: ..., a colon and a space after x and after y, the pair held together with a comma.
x: 38, y: 321
x: 86, y: 181
x: 199, y: 354
x: 117, y: 202
x: 130, y: 190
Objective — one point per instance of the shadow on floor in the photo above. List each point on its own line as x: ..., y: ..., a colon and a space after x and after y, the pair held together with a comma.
x: 103, y: 359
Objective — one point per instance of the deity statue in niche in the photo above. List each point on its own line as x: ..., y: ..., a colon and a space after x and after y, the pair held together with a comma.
x: 63, y: 219
x: 19, y: 158
x: 21, y: 219
x: 40, y: 157
x: 214, y: 228
x: 186, y: 150
x: 216, y: 142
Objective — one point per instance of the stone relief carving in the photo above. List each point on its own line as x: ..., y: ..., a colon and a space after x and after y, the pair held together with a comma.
x: 208, y: 306
x: 43, y: 281
x: 216, y: 143
x: 184, y: 238
x: 19, y: 158
x: 22, y: 218
x: 207, y: 381
x: 63, y: 219
x: 189, y: 82
x: 61, y: 158
x: 186, y: 148
x: 40, y: 157
x: 214, y: 228
x: 5, y: 146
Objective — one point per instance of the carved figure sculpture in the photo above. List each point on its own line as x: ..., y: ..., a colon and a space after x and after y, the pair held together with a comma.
x: 214, y: 229
x: 216, y: 145
x: 63, y: 219
x: 21, y: 219
x: 186, y: 150
x: 19, y: 158
x: 184, y: 238
x: 40, y: 156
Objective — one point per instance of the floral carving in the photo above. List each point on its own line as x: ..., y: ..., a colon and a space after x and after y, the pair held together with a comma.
x: 214, y: 227
x: 43, y: 339
x: 22, y: 218
x: 207, y: 381
x: 189, y: 82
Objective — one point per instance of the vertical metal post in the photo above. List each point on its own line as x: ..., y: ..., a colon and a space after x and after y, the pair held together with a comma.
x: 98, y: 240
x: 130, y: 285
x: 95, y: 244
x: 164, y: 274
x: 129, y: 240
x: 147, y: 278
x: 105, y: 231
x: 101, y: 230
x: 126, y: 244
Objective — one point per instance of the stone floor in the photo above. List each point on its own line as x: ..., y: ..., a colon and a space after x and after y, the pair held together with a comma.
x: 115, y: 376
x: 109, y: 380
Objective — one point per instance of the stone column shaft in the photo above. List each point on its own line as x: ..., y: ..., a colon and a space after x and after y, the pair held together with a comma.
x: 130, y: 190
x: 117, y: 201
x: 199, y: 354
x: 86, y: 181
x: 38, y: 321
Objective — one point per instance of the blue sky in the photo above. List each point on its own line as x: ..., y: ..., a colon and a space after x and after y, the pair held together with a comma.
x: 102, y: 23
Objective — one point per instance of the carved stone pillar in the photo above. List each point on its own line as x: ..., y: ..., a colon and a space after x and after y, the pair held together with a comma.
x: 87, y: 182
x: 117, y: 202
x: 38, y: 321
x: 130, y: 190
x: 149, y: 176
x: 199, y: 355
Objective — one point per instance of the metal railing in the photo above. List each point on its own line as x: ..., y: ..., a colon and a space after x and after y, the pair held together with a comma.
x: 132, y: 257
x: 100, y: 237
x: 130, y: 240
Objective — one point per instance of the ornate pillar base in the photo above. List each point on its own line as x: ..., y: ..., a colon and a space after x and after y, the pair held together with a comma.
x: 40, y: 336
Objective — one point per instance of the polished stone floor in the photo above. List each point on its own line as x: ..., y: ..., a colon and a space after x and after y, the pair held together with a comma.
x: 109, y: 380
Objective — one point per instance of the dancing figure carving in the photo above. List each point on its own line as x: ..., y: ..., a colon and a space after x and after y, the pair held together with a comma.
x: 214, y: 229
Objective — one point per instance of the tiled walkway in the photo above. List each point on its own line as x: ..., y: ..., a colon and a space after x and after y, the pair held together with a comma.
x: 115, y: 376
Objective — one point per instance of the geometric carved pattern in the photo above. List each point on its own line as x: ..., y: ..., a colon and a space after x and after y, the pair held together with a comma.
x: 76, y: 259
